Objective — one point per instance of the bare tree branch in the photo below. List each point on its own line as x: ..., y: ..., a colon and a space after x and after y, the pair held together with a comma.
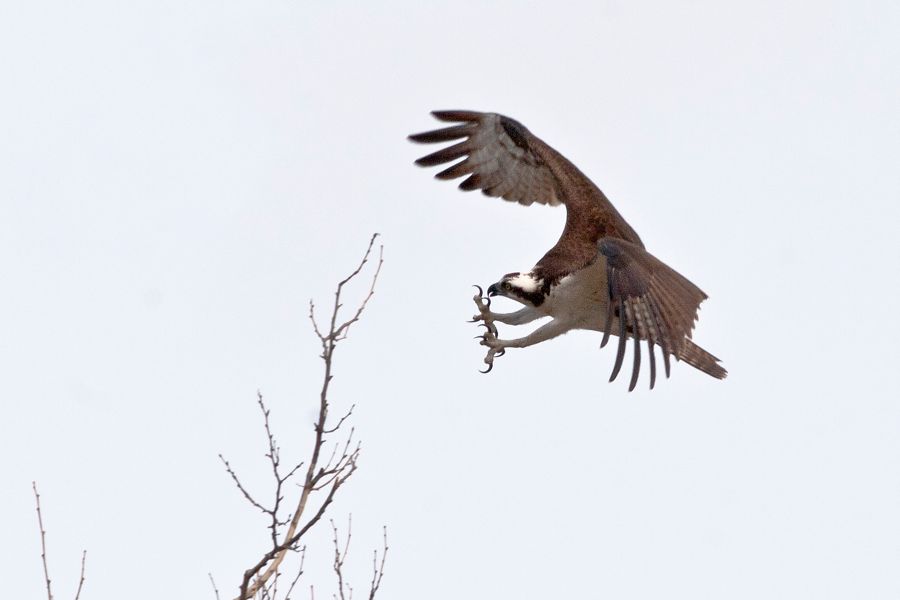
x: 339, y: 557
x: 341, y: 421
x: 213, y: 582
x: 37, y: 502
x: 81, y: 577
x: 273, y: 453
x: 261, y: 578
x: 299, y: 573
x: 240, y: 486
x: 345, y: 590
x: 378, y: 569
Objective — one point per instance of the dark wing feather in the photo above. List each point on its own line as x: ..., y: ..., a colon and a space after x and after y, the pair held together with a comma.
x: 652, y: 302
x: 502, y: 158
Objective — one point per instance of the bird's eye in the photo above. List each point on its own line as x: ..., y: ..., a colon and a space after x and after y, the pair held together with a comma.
x: 506, y: 285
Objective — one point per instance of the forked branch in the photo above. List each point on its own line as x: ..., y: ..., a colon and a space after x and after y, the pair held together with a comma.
x: 286, y: 533
x: 345, y: 591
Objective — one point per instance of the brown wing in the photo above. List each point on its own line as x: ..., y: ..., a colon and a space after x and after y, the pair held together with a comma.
x: 652, y: 302
x: 502, y: 158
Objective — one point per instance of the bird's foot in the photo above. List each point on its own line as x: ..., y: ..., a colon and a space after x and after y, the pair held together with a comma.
x: 485, y: 316
x: 495, y: 347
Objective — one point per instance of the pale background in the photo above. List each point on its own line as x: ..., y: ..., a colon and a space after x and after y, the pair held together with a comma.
x: 178, y: 179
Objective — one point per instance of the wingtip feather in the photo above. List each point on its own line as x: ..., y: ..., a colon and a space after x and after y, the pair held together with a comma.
x: 456, y: 116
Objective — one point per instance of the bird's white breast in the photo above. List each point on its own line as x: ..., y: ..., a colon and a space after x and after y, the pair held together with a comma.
x: 581, y: 297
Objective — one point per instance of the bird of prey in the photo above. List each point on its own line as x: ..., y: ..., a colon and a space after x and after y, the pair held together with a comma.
x: 598, y: 276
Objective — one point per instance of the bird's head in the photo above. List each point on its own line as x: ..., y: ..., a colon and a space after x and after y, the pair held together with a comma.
x: 521, y: 287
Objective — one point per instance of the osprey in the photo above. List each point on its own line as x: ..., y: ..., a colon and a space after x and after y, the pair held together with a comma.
x: 598, y: 276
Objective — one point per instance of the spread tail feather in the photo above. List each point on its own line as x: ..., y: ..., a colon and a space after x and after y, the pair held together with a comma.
x: 700, y: 359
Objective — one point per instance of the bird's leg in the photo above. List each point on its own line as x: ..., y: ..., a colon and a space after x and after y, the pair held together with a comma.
x: 497, y: 347
x: 519, y: 317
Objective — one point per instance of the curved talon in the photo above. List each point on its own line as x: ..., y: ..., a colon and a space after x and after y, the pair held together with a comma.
x: 483, y: 302
x: 489, y: 337
x: 484, y: 313
x: 489, y: 360
x: 492, y: 353
x: 489, y: 327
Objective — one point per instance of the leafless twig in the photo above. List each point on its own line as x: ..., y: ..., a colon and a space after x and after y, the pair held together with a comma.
x: 37, y: 502
x: 378, y: 568
x: 273, y: 453
x: 340, y: 556
x: 81, y: 577
x: 262, y: 577
x: 299, y: 573
x: 213, y: 582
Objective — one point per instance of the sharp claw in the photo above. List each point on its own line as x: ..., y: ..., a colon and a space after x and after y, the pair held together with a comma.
x: 489, y: 327
x: 489, y: 360
x: 483, y: 318
x: 483, y: 338
x: 490, y: 334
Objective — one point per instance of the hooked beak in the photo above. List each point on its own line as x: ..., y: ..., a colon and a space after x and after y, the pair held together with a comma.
x: 493, y: 290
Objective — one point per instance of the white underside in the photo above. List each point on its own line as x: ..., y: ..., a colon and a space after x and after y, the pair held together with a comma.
x: 581, y: 299
x: 578, y: 301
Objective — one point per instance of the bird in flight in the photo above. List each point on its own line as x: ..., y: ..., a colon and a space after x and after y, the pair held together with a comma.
x: 598, y: 276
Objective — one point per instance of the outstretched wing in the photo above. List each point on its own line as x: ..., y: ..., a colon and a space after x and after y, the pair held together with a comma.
x: 652, y: 302
x: 502, y: 158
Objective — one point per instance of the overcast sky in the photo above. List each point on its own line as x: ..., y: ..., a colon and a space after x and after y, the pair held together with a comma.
x: 177, y: 179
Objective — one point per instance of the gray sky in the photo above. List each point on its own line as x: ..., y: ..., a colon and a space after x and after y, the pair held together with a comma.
x: 178, y: 179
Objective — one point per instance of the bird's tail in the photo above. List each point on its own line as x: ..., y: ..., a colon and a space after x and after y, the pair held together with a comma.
x: 699, y: 358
